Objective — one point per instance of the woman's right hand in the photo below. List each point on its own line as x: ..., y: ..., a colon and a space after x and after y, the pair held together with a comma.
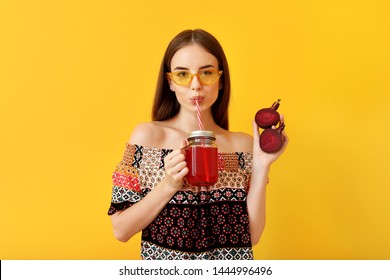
x: 176, y: 167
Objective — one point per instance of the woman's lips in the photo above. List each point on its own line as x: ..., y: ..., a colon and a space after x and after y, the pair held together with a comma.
x: 197, y: 98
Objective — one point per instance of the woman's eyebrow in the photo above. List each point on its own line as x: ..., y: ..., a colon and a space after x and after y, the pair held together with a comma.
x: 180, y: 68
x: 185, y: 68
x: 207, y: 66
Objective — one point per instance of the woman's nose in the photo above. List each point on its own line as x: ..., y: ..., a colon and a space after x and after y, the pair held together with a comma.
x: 195, y: 83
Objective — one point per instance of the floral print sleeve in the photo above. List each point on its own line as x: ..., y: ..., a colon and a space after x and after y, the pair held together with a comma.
x: 126, y: 186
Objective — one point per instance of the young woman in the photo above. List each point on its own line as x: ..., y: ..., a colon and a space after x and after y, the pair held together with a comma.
x: 150, y: 191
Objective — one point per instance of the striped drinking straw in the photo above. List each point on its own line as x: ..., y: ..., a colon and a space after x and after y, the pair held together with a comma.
x: 200, y: 124
x: 199, y: 117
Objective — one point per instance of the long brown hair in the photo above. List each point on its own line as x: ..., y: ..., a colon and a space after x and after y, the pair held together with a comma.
x: 165, y: 104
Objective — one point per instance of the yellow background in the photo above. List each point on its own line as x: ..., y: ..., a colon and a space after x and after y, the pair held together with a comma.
x: 77, y: 76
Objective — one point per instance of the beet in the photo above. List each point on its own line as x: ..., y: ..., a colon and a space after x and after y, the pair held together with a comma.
x: 267, y: 117
x: 271, y: 140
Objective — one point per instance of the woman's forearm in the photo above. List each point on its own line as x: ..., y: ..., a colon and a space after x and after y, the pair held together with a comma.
x: 256, y: 201
x: 134, y: 219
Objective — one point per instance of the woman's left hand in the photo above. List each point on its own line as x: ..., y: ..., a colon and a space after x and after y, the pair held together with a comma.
x: 258, y: 154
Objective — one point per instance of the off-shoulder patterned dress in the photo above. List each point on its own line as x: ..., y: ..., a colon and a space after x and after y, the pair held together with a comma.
x: 198, y: 222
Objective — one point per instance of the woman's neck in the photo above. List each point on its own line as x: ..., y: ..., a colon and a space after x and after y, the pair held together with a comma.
x: 188, y: 121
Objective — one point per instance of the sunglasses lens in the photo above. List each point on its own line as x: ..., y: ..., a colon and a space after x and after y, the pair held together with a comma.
x: 181, y: 78
x: 208, y: 77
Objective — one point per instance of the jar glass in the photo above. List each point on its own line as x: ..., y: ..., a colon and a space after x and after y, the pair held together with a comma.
x: 202, y: 158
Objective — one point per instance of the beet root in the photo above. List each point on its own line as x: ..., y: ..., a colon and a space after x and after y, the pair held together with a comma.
x: 267, y: 117
x: 271, y: 140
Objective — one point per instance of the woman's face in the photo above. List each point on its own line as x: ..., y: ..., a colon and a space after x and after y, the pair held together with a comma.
x: 195, y: 59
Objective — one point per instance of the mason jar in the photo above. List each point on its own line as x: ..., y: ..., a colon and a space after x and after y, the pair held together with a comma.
x: 202, y: 158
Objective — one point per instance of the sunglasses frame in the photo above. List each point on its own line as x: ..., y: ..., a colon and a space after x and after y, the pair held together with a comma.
x: 170, y: 75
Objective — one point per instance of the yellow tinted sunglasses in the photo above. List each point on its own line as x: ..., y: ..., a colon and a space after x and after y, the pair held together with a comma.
x: 184, y: 78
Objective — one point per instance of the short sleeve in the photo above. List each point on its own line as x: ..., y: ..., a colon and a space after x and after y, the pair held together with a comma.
x: 126, y: 189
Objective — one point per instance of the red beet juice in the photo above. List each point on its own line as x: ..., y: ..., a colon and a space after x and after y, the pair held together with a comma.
x: 202, y: 162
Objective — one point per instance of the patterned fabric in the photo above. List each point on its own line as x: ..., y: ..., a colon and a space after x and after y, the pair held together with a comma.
x: 198, y: 222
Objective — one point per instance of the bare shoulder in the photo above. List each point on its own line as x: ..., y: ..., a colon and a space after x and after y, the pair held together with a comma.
x: 243, y: 141
x: 145, y: 134
x: 158, y: 134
